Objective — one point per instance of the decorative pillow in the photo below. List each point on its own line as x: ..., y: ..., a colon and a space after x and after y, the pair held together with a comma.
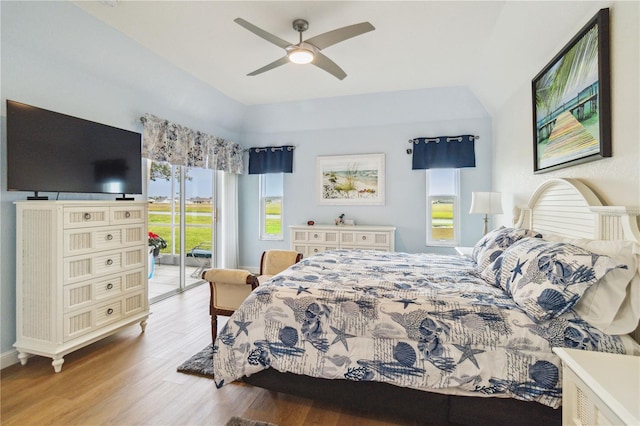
x: 547, y: 278
x: 495, y: 242
x: 609, y: 304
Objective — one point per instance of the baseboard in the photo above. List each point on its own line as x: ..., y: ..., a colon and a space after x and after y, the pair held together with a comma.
x: 9, y: 358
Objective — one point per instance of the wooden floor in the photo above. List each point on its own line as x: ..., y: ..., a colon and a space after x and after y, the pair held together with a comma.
x: 130, y: 378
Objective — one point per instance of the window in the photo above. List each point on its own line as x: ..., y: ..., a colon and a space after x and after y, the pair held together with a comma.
x: 443, y: 207
x: 271, y: 196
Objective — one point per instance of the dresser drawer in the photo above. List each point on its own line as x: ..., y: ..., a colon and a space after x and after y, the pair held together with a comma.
x: 86, y: 293
x: 78, y: 323
x: 86, y: 240
x: 127, y: 214
x: 82, y: 217
x: 310, y: 250
x: 364, y: 239
x: 89, y: 266
x: 316, y: 237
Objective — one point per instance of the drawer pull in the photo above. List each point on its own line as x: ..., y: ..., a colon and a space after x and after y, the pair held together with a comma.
x: 127, y: 215
x: 109, y: 262
x: 87, y: 216
x: 364, y: 238
x: 109, y: 311
x: 109, y: 286
x: 315, y: 235
x: 315, y: 250
x: 109, y: 237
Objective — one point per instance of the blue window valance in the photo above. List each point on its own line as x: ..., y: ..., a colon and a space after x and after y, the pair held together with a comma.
x: 271, y: 159
x: 444, y: 152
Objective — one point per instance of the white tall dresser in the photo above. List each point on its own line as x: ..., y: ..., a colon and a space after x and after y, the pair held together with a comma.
x: 81, y: 274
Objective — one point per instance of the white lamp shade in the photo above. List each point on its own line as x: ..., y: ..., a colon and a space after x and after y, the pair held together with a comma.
x: 486, y: 202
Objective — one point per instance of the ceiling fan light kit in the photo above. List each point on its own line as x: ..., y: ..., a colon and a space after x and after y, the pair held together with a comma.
x: 305, y: 52
x: 301, y: 56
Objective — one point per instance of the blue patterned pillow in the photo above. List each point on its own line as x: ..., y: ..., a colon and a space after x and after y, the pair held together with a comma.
x: 547, y: 278
x: 495, y: 242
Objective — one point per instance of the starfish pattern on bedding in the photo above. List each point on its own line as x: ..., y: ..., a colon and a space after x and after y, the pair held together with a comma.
x: 468, y: 353
x: 242, y: 326
x: 341, y: 336
x: 406, y: 302
x: 517, y: 269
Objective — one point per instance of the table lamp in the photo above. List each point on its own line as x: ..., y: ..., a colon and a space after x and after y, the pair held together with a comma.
x: 486, y: 203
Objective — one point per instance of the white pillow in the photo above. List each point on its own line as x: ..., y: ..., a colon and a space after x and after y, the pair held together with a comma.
x: 613, y: 303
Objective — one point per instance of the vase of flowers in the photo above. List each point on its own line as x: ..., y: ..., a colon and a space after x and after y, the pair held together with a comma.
x: 157, y: 242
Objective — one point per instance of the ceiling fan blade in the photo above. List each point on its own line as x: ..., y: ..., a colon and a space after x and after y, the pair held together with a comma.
x: 330, y: 38
x: 272, y: 65
x: 321, y: 61
x: 262, y: 33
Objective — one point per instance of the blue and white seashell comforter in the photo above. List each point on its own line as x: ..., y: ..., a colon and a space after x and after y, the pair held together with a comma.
x: 422, y: 321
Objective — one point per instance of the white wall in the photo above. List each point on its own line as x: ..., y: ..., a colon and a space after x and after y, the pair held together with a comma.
x: 374, y: 123
x: 617, y: 179
x: 56, y: 56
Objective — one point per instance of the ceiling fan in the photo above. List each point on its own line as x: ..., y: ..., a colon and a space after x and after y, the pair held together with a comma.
x: 308, y: 51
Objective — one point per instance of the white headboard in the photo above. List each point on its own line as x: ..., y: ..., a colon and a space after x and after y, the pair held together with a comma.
x: 569, y: 208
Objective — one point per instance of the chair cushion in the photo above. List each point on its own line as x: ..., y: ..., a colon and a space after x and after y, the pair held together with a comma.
x: 229, y: 276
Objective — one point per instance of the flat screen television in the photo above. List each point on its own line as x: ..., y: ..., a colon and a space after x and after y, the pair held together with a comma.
x: 52, y: 152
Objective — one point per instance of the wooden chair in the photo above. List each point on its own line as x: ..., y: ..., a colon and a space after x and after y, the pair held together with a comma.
x: 275, y: 261
x: 229, y: 288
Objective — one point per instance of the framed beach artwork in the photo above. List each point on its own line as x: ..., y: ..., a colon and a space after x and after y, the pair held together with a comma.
x: 348, y: 180
x: 571, y: 101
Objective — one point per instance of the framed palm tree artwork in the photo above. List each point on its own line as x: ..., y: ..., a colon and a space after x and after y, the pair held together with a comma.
x: 571, y: 101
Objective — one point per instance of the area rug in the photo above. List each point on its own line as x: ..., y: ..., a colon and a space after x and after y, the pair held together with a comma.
x: 240, y: 421
x: 201, y: 364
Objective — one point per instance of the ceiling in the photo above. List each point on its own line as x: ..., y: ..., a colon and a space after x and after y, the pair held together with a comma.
x: 489, y: 46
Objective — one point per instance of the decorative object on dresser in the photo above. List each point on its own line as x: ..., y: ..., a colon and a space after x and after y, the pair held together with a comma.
x: 486, y: 203
x: 571, y: 101
x: 81, y: 274
x: 318, y: 238
x: 348, y: 180
x: 599, y: 388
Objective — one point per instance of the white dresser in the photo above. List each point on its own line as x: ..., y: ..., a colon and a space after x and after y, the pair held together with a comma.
x: 599, y: 388
x: 81, y: 274
x: 310, y: 240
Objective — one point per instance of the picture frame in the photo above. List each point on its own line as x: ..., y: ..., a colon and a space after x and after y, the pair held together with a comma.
x: 571, y: 99
x: 351, y: 180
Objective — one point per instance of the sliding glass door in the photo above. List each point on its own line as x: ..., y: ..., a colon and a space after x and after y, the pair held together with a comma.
x: 182, y: 213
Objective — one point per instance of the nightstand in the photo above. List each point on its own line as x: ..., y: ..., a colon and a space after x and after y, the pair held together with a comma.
x: 464, y: 251
x: 599, y: 388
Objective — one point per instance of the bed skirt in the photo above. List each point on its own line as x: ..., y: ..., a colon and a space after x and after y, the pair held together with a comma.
x: 409, y: 404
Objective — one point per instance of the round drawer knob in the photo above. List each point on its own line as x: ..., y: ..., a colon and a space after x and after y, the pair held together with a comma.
x: 109, y: 286
x: 87, y: 216
x: 109, y: 237
x: 127, y: 215
x: 364, y: 238
x: 315, y: 235
x: 315, y: 250
x: 109, y: 311
x: 109, y: 262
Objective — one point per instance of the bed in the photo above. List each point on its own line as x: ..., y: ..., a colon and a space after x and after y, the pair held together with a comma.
x: 447, y: 339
